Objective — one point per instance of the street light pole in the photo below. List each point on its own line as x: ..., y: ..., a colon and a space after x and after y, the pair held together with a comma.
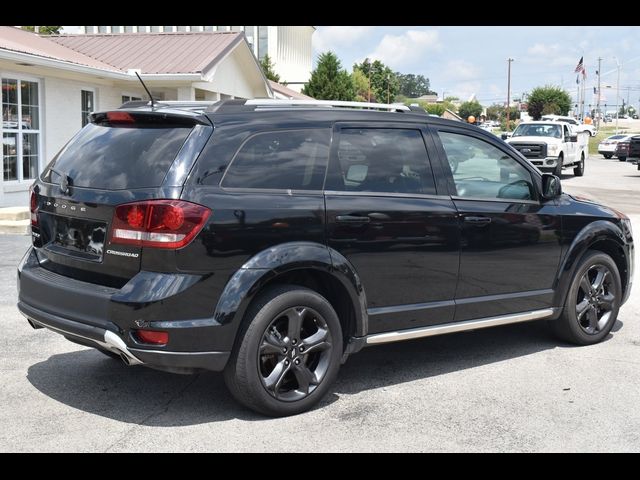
x: 617, y: 94
x: 598, y: 104
x: 509, y: 60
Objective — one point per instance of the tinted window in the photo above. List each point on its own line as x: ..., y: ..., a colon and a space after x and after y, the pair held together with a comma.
x: 481, y: 170
x: 288, y: 159
x: 118, y: 158
x: 383, y: 160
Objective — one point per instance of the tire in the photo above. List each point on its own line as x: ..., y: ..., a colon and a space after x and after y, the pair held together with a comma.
x: 622, y: 159
x: 578, y: 171
x: 607, y: 155
x: 558, y: 170
x: 276, y: 383
x: 587, y: 320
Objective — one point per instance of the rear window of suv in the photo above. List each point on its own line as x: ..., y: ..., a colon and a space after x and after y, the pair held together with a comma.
x: 120, y: 157
x: 283, y: 160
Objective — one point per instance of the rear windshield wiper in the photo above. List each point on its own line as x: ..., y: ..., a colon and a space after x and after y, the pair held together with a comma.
x: 65, y: 180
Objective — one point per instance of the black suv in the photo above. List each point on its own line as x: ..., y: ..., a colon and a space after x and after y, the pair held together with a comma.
x: 272, y: 239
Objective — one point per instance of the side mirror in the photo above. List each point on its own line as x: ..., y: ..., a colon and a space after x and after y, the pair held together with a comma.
x: 573, y: 138
x: 551, y: 187
x: 504, y: 136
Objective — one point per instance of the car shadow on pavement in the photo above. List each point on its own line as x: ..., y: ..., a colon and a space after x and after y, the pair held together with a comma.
x: 89, y: 381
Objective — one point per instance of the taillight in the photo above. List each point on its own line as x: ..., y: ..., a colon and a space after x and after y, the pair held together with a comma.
x: 158, y: 223
x: 33, y: 206
x: 120, y: 117
x: 154, y: 337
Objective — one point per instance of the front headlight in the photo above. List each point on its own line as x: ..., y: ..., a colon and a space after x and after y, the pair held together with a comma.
x: 553, y: 149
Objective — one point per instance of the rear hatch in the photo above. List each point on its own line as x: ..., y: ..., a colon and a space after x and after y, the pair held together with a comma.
x: 121, y: 157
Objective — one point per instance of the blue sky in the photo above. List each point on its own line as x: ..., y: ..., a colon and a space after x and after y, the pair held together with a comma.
x: 462, y: 61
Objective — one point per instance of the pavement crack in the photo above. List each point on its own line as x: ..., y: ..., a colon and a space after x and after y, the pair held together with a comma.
x: 160, y: 411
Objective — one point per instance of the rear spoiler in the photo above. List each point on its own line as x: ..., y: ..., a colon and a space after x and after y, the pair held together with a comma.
x: 168, y: 117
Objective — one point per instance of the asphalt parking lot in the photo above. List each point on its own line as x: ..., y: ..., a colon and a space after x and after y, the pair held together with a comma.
x: 512, y: 388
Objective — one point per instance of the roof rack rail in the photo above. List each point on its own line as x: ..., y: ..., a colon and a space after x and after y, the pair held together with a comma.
x: 270, y: 103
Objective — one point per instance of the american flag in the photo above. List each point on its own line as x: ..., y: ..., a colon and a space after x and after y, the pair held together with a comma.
x: 580, y: 67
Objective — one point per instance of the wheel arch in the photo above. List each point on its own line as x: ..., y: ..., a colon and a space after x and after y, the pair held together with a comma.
x: 307, y: 264
x: 600, y: 235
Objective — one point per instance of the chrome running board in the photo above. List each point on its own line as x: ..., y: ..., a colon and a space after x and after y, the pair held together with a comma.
x: 457, y: 327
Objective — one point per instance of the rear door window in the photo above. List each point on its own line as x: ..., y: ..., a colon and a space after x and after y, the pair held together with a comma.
x: 383, y: 160
x: 120, y: 157
x: 283, y: 160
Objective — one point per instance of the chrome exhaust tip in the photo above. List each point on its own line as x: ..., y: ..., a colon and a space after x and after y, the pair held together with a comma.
x: 119, y: 346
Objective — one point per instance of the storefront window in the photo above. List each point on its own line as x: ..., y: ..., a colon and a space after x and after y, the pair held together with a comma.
x: 20, y: 129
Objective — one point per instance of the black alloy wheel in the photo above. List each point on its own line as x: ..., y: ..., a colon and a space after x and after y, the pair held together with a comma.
x: 288, y: 354
x: 595, y: 299
x: 295, y: 353
x: 592, y: 302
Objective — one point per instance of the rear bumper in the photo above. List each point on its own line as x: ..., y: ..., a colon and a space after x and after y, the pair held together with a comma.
x: 111, y: 341
x: 105, y: 318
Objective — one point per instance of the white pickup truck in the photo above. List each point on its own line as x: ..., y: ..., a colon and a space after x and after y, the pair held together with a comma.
x: 551, y: 146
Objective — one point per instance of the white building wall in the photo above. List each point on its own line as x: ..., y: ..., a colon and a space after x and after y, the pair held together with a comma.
x: 293, y: 55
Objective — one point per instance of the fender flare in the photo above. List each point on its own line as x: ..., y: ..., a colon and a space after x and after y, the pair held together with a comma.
x: 274, y: 261
x: 600, y: 230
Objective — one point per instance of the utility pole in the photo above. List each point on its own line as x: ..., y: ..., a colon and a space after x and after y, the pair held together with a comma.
x: 617, y: 94
x: 509, y: 60
x: 598, y: 104
x: 369, y: 64
x: 388, y: 78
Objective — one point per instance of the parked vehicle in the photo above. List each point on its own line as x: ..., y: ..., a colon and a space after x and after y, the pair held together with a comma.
x: 576, y: 125
x: 634, y: 149
x: 622, y: 150
x: 607, y: 147
x: 551, y: 146
x: 272, y: 239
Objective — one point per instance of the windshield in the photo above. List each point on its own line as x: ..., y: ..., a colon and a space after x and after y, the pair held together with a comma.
x: 538, y: 130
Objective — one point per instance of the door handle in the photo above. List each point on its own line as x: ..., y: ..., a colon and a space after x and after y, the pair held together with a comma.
x: 480, y: 221
x: 352, y: 219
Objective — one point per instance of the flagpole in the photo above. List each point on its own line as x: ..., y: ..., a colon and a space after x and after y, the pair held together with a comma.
x: 584, y: 86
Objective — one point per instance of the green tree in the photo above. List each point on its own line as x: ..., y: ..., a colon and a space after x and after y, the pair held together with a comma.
x: 496, y: 112
x: 548, y: 100
x: 468, y: 109
x: 435, y: 109
x: 413, y: 86
x: 268, y: 69
x: 360, y: 85
x: 384, y: 84
x: 46, y: 30
x: 623, y: 109
x: 329, y: 81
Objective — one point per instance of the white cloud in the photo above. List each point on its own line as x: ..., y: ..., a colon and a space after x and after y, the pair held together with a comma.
x: 407, y: 48
x: 464, y: 90
x: 543, y: 49
x: 332, y: 37
x: 461, y: 70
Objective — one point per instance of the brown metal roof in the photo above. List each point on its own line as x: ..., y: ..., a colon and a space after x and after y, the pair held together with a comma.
x: 18, y: 40
x: 155, y: 52
x: 292, y: 94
